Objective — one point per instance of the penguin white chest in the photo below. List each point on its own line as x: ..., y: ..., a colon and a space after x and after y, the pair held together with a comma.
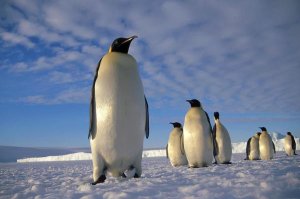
x: 175, y: 150
x: 224, y: 144
x: 288, y: 146
x: 265, y: 146
x: 254, y: 149
x: 120, y: 110
x: 197, y: 138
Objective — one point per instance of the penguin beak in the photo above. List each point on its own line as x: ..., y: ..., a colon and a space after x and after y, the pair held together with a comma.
x: 129, y: 39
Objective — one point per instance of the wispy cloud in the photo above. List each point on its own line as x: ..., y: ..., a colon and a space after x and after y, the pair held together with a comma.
x: 16, y: 39
x: 77, y: 95
x: 233, y: 56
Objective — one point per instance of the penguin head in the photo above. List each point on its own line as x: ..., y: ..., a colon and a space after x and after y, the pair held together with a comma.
x: 258, y: 133
x: 176, y: 124
x: 263, y: 128
x: 289, y: 133
x: 194, y: 103
x: 216, y: 115
x: 121, y: 45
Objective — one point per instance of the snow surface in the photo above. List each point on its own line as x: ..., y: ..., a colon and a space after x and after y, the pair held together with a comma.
x: 278, y: 178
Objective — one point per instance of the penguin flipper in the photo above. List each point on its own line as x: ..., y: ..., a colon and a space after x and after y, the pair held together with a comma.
x: 93, y: 119
x: 181, y: 145
x: 248, y: 149
x: 293, y: 143
x: 147, y: 118
x: 274, y: 147
x: 213, y: 139
x: 167, y: 153
x: 92, y: 129
x: 216, y: 148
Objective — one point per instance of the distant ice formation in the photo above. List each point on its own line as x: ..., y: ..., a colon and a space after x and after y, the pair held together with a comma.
x: 239, y: 147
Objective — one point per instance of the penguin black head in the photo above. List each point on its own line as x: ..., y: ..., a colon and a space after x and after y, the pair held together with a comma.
x: 216, y: 115
x: 121, y: 45
x: 194, y: 103
x: 176, y: 124
x: 258, y: 133
x: 263, y: 128
x: 289, y: 133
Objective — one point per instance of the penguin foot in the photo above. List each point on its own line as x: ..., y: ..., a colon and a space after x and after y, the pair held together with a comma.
x: 101, y: 179
x: 136, y: 175
x: 193, y: 166
x: 123, y: 175
x: 227, y: 163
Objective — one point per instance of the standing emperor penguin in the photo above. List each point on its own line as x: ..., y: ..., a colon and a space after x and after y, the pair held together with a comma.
x: 175, y: 149
x: 223, y: 148
x: 252, y: 149
x: 266, y: 145
x: 197, y: 136
x: 119, y: 115
x: 289, y: 144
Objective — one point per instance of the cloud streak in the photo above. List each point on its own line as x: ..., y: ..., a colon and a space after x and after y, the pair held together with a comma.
x: 233, y: 56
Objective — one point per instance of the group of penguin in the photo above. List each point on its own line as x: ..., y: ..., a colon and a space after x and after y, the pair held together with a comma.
x: 119, y: 120
x: 196, y: 143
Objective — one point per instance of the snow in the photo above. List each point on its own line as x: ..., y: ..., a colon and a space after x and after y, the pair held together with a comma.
x: 59, y: 176
x: 239, y: 147
x: 278, y: 178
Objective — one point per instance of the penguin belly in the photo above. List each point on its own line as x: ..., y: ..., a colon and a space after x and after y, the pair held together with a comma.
x: 120, y: 114
x: 254, y: 149
x: 224, y: 145
x: 197, y: 140
x: 288, y: 146
x: 176, y: 155
x: 265, y: 147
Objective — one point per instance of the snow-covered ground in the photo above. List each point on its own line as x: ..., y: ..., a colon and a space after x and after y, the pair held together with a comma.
x: 278, y: 178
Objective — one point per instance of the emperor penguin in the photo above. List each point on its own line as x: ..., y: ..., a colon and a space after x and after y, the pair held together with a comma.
x: 266, y: 145
x: 290, y: 144
x: 197, y: 136
x: 252, y: 149
x: 223, y: 142
x: 119, y: 115
x: 175, y: 149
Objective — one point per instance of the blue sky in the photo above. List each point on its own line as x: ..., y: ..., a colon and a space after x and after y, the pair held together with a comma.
x: 241, y: 58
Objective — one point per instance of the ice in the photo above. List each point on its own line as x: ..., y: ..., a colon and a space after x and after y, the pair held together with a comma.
x: 239, y: 147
